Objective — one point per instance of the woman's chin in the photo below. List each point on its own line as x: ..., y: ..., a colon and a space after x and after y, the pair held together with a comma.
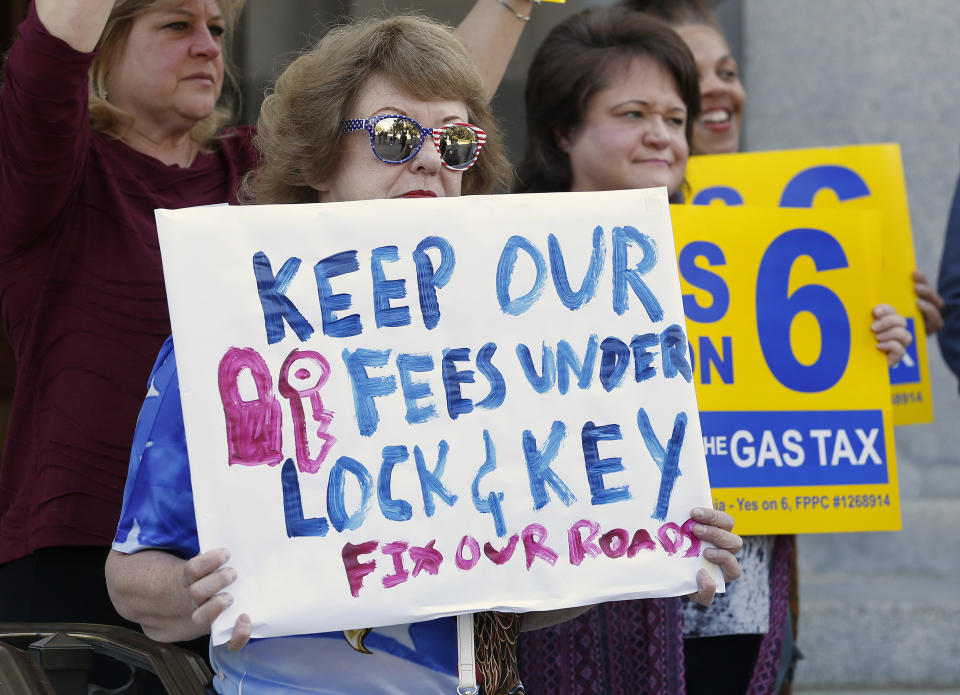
x: 197, y: 111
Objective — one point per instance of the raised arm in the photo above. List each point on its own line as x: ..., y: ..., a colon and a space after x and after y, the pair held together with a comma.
x: 77, y: 22
x: 44, y: 115
x: 491, y: 32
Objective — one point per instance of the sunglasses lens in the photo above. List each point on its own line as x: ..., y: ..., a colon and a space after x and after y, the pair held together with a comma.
x: 395, y: 139
x: 458, y: 146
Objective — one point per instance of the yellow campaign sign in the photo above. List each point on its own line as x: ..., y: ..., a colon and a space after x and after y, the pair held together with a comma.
x: 862, y: 177
x: 793, y: 394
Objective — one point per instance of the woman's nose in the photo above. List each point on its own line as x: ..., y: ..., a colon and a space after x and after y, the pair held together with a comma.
x: 205, y: 45
x: 710, y: 83
x: 427, y: 160
x: 655, y: 133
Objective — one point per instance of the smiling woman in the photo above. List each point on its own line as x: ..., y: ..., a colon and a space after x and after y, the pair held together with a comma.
x: 611, y: 100
x: 722, y: 95
x: 632, y: 134
x: 718, y: 129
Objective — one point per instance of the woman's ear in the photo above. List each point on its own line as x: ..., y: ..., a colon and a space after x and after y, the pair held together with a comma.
x: 322, y: 187
x: 562, y: 136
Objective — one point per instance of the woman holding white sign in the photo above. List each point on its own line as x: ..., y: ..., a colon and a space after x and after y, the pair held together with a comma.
x: 380, y: 109
x: 109, y: 110
x: 611, y: 99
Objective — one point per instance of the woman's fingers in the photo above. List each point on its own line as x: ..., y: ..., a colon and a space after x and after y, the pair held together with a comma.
x: 241, y: 633
x: 712, y: 517
x: 726, y: 561
x: 890, y: 331
x: 715, y: 527
x: 203, y: 564
x: 923, y: 289
x: 885, y: 318
x: 205, y: 579
x: 723, y: 539
x: 204, y: 575
x: 894, y: 350
x: 929, y: 302
x: 207, y: 612
x: 212, y: 584
x: 706, y: 588
x: 932, y: 318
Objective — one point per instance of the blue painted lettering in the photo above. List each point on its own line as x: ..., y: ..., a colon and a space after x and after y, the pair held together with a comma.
x: 598, y: 467
x: 276, y: 305
x: 538, y: 466
x: 384, y: 290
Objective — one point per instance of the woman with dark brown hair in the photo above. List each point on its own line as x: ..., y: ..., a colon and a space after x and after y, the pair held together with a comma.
x: 359, y: 117
x: 611, y: 99
x: 614, y: 101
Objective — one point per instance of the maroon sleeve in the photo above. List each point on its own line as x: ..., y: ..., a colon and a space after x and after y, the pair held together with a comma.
x: 44, y: 131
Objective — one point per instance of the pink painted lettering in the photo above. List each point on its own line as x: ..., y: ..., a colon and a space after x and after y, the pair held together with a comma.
x: 468, y: 563
x: 426, y: 559
x: 614, y: 543
x: 357, y: 570
x: 687, y: 530
x: 670, y: 544
x: 500, y: 557
x: 580, y: 547
x: 311, y: 374
x: 253, y: 427
x: 641, y: 541
x: 400, y: 574
x: 533, y: 536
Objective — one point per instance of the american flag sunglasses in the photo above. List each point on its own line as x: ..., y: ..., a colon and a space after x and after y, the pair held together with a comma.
x: 396, y: 139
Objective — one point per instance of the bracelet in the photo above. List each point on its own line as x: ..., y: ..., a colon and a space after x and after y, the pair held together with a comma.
x: 521, y: 17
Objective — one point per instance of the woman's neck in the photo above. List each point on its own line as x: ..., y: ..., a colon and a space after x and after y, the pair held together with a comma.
x: 179, y: 149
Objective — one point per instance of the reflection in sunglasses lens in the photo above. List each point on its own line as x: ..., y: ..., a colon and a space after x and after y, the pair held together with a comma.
x: 458, y: 145
x: 394, y: 139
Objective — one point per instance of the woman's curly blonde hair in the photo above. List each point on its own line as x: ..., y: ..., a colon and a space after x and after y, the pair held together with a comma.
x: 300, y: 130
x: 107, y: 118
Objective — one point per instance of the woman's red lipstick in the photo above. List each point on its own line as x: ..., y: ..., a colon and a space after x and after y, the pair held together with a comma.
x: 419, y: 194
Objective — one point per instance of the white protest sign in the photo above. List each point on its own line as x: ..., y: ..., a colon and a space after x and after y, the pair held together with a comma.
x: 398, y: 410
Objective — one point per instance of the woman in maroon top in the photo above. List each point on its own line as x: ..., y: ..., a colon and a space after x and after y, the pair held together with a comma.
x: 90, y: 144
x: 81, y: 171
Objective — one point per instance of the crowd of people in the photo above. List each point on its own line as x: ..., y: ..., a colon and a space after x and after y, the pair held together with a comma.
x: 111, y: 109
